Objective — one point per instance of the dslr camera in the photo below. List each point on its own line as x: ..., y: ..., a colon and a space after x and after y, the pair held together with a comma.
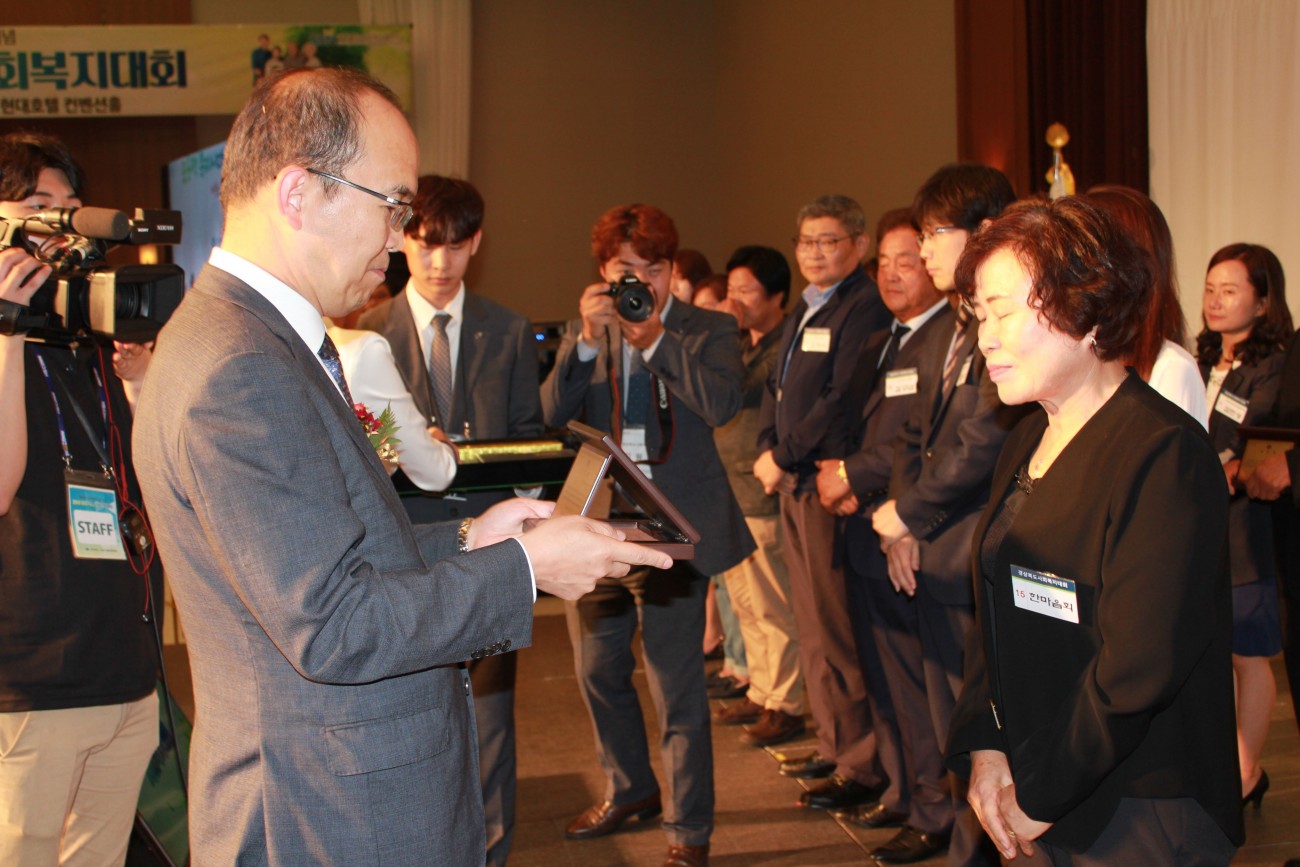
x: 633, y: 300
x: 85, y: 297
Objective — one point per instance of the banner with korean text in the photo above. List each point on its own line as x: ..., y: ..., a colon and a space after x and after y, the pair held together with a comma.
x: 137, y: 71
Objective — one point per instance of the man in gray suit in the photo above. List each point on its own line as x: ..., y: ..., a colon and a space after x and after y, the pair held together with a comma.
x: 471, y: 366
x: 325, y: 631
x: 661, y: 385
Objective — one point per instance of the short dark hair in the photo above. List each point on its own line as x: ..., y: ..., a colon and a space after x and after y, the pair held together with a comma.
x: 24, y: 155
x: 650, y: 231
x: 841, y: 208
x: 898, y: 218
x: 769, y: 267
x: 447, y: 211
x: 1144, y: 222
x: 715, y: 283
x: 962, y: 195
x: 1086, y: 272
x: 1271, y: 332
x: 693, y: 265
x: 311, y: 117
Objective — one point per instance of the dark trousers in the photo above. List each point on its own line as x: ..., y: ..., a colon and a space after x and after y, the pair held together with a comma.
x: 669, y: 607
x: 1173, y: 831
x: 895, y: 629
x: 828, y: 649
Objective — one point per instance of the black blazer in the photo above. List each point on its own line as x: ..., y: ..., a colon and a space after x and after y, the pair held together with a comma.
x: 1136, y: 699
x: 876, y: 428
x: 943, y: 461
x: 1251, y: 554
x: 801, y: 416
x: 698, y: 360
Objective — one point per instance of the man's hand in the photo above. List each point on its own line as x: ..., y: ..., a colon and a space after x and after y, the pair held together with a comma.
x: 1270, y: 478
x: 642, y: 335
x: 1230, y: 470
x: 569, y: 554
x: 597, y: 311
x: 989, y: 775
x: 903, y: 559
x: 131, y: 360
x: 831, y: 489
x: 767, y: 472
x: 506, y: 520
x: 887, y: 524
x: 20, y: 275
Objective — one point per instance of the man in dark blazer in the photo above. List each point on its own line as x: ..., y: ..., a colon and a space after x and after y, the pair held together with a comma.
x: 943, y: 463
x: 325, y: 631
x: 661, y: 385
x: 493, y: 374
x: 801, y: 422
x: 886, y: 386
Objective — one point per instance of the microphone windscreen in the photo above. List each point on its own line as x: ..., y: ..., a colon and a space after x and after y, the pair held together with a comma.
x: 103, y: 223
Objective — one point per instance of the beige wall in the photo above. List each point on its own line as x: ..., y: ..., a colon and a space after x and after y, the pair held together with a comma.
x: 729, y: 114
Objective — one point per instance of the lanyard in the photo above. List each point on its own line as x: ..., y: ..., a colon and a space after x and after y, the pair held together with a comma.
x: 100, y: 443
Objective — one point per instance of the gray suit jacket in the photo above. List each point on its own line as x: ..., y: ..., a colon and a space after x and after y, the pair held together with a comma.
x: 699, y: 362
x: 333, y: 723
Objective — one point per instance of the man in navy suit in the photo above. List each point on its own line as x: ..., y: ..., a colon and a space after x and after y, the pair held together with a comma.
x: 491, y: 359
x: 661, y: 385
x: 801, y: 422
x: 943, y: 464
x: 885, y: 388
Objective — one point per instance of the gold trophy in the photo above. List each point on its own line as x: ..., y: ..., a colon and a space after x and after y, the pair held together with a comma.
x: 1059, y: 175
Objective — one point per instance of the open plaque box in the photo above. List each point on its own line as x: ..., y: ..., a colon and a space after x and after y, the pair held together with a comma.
x: 587, y: 491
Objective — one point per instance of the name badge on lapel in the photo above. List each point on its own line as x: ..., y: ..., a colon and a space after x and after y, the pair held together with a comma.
x: 816, y: 340
x: 1232, y: 406
x: 92, y: 517
x: 900, y: 383
x: 1044, y: 593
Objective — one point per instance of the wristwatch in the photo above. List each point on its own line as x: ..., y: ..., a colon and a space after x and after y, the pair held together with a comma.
x: 462, y: 536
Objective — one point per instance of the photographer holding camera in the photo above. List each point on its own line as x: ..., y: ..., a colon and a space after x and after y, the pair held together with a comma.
x: 659, y: 374
x: 78, y: 715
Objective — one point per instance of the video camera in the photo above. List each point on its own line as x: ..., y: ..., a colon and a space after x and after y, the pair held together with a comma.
x: 86, y: 295
x: 633, y: 300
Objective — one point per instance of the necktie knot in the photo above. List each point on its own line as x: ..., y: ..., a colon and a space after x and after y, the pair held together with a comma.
x: 440, y: 321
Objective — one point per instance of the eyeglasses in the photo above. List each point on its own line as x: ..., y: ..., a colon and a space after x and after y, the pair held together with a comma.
x: 399, y: 212
x: 937, y: 230
x: 826, y: 245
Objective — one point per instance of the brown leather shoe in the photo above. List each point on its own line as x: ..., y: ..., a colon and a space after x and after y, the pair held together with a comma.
x: 687, y: 856
x: 606, y: 818
x: 773, y: 727
x: 738, y: 713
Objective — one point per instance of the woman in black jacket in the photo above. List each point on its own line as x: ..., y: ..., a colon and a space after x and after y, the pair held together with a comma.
x: 1240, y: 351
x: 1096, y: 717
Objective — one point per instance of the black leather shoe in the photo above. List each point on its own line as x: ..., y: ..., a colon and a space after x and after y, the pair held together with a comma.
x: 875, y: 815
x: 809, y: 767
x: 839, y: 793
x: 727, y: 687
x: 910, y: 845
x: 606, y: 818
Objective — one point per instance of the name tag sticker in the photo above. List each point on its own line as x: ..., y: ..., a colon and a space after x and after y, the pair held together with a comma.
x: 1231, y: 406
x: 1044, y: 593
x: 92, y: 519
x: 816, y: 340
x: 965, y: 370
x: 900, y: 383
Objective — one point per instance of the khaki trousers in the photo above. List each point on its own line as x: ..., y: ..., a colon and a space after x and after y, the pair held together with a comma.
x: 69, y: 782
x: 759, y: 587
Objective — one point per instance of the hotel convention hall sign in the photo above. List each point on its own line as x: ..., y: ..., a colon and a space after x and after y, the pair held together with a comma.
x: 134, y: 71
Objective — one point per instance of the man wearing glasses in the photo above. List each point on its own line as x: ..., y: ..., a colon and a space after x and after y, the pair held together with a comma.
x: 802, y: 421
x: 326, y: 632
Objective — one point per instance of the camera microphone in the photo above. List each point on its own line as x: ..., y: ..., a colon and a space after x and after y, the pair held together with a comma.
x: 102, y: 223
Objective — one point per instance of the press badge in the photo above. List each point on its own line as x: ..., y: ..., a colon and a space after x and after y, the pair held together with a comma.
x: 92, y: 517
x: 900, y: 383
x: 816, y: 340
x: 1044, y: 593
x: 634, y: 444
x: 1231, y: 406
